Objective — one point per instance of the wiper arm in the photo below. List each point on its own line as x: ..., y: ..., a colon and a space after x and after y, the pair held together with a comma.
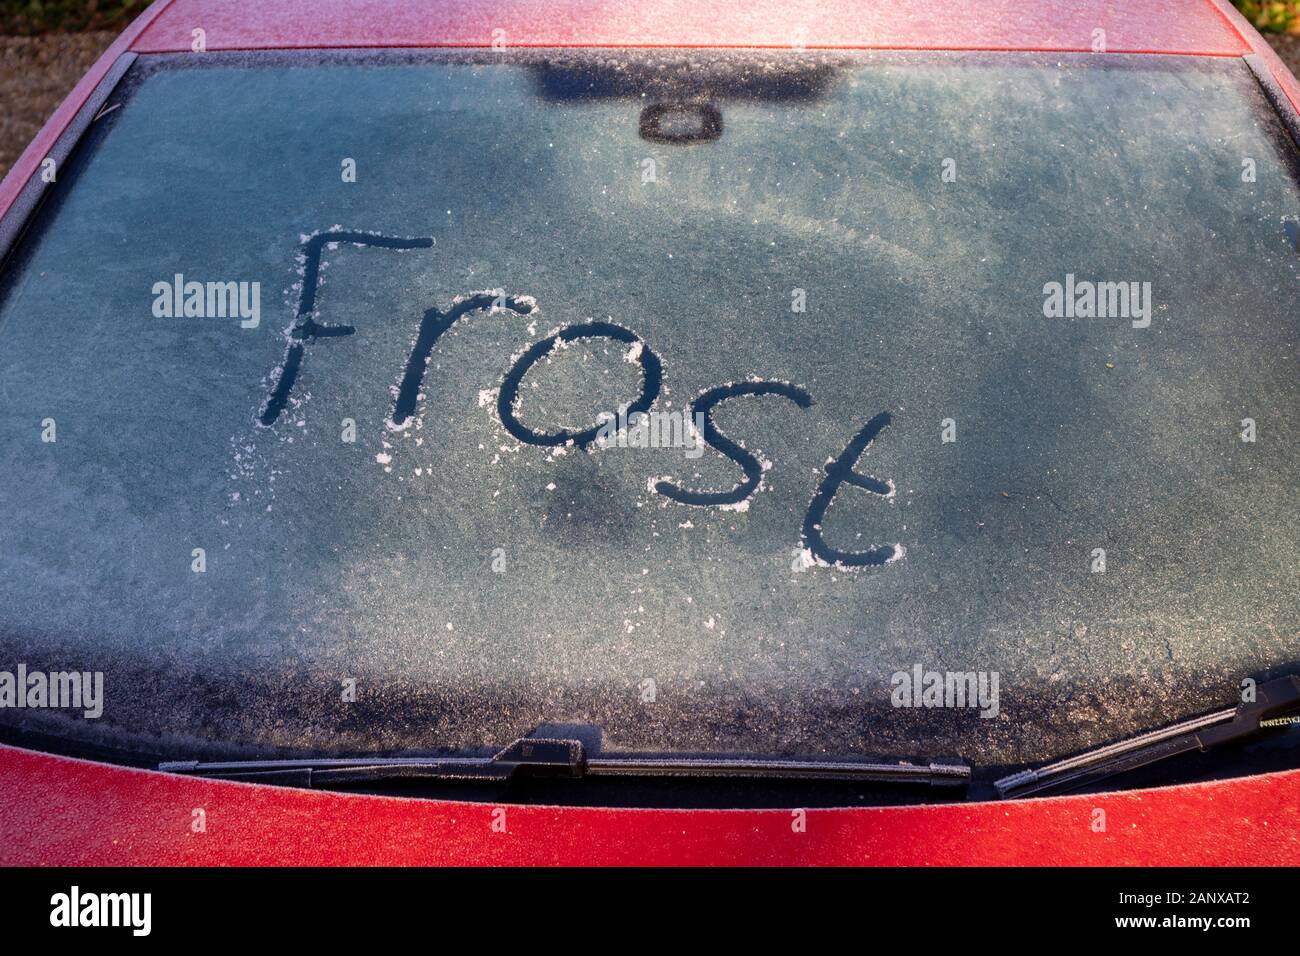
x: 1234, y: 724
x: 536, y: 756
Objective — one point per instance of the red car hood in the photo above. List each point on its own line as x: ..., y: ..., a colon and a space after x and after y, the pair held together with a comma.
x: 59, y: 811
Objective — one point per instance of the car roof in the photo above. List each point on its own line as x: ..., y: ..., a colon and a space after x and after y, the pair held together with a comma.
x: 1189, y: 27
x: 1198, y: 27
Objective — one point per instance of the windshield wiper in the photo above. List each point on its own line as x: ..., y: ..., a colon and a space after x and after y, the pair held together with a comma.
x: 539, y: 756
x: 1231, y: 725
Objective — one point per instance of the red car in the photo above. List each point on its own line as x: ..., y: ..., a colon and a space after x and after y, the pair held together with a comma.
x: 661, y: 433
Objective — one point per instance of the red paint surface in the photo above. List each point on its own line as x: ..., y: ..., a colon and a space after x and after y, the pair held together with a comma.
x: 59, y: 811
x: 1161, y: 26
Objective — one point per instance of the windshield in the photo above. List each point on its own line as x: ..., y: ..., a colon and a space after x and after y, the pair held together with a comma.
x: 323, y: 376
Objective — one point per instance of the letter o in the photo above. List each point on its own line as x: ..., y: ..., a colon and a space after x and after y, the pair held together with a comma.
x: 651, y: 374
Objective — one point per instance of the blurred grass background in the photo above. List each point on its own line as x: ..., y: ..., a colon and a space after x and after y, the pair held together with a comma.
x: 29, y: 18
x: 1271, y: 16
x: 46, y: 46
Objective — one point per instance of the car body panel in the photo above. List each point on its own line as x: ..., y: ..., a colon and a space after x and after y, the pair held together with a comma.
x: 61, y: 811
x: 1156, y: 26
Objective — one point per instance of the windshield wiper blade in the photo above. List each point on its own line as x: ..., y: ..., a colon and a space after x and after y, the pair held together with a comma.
x: 931, y: 774
x: 1231, y: 725
x: 539, y: 756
